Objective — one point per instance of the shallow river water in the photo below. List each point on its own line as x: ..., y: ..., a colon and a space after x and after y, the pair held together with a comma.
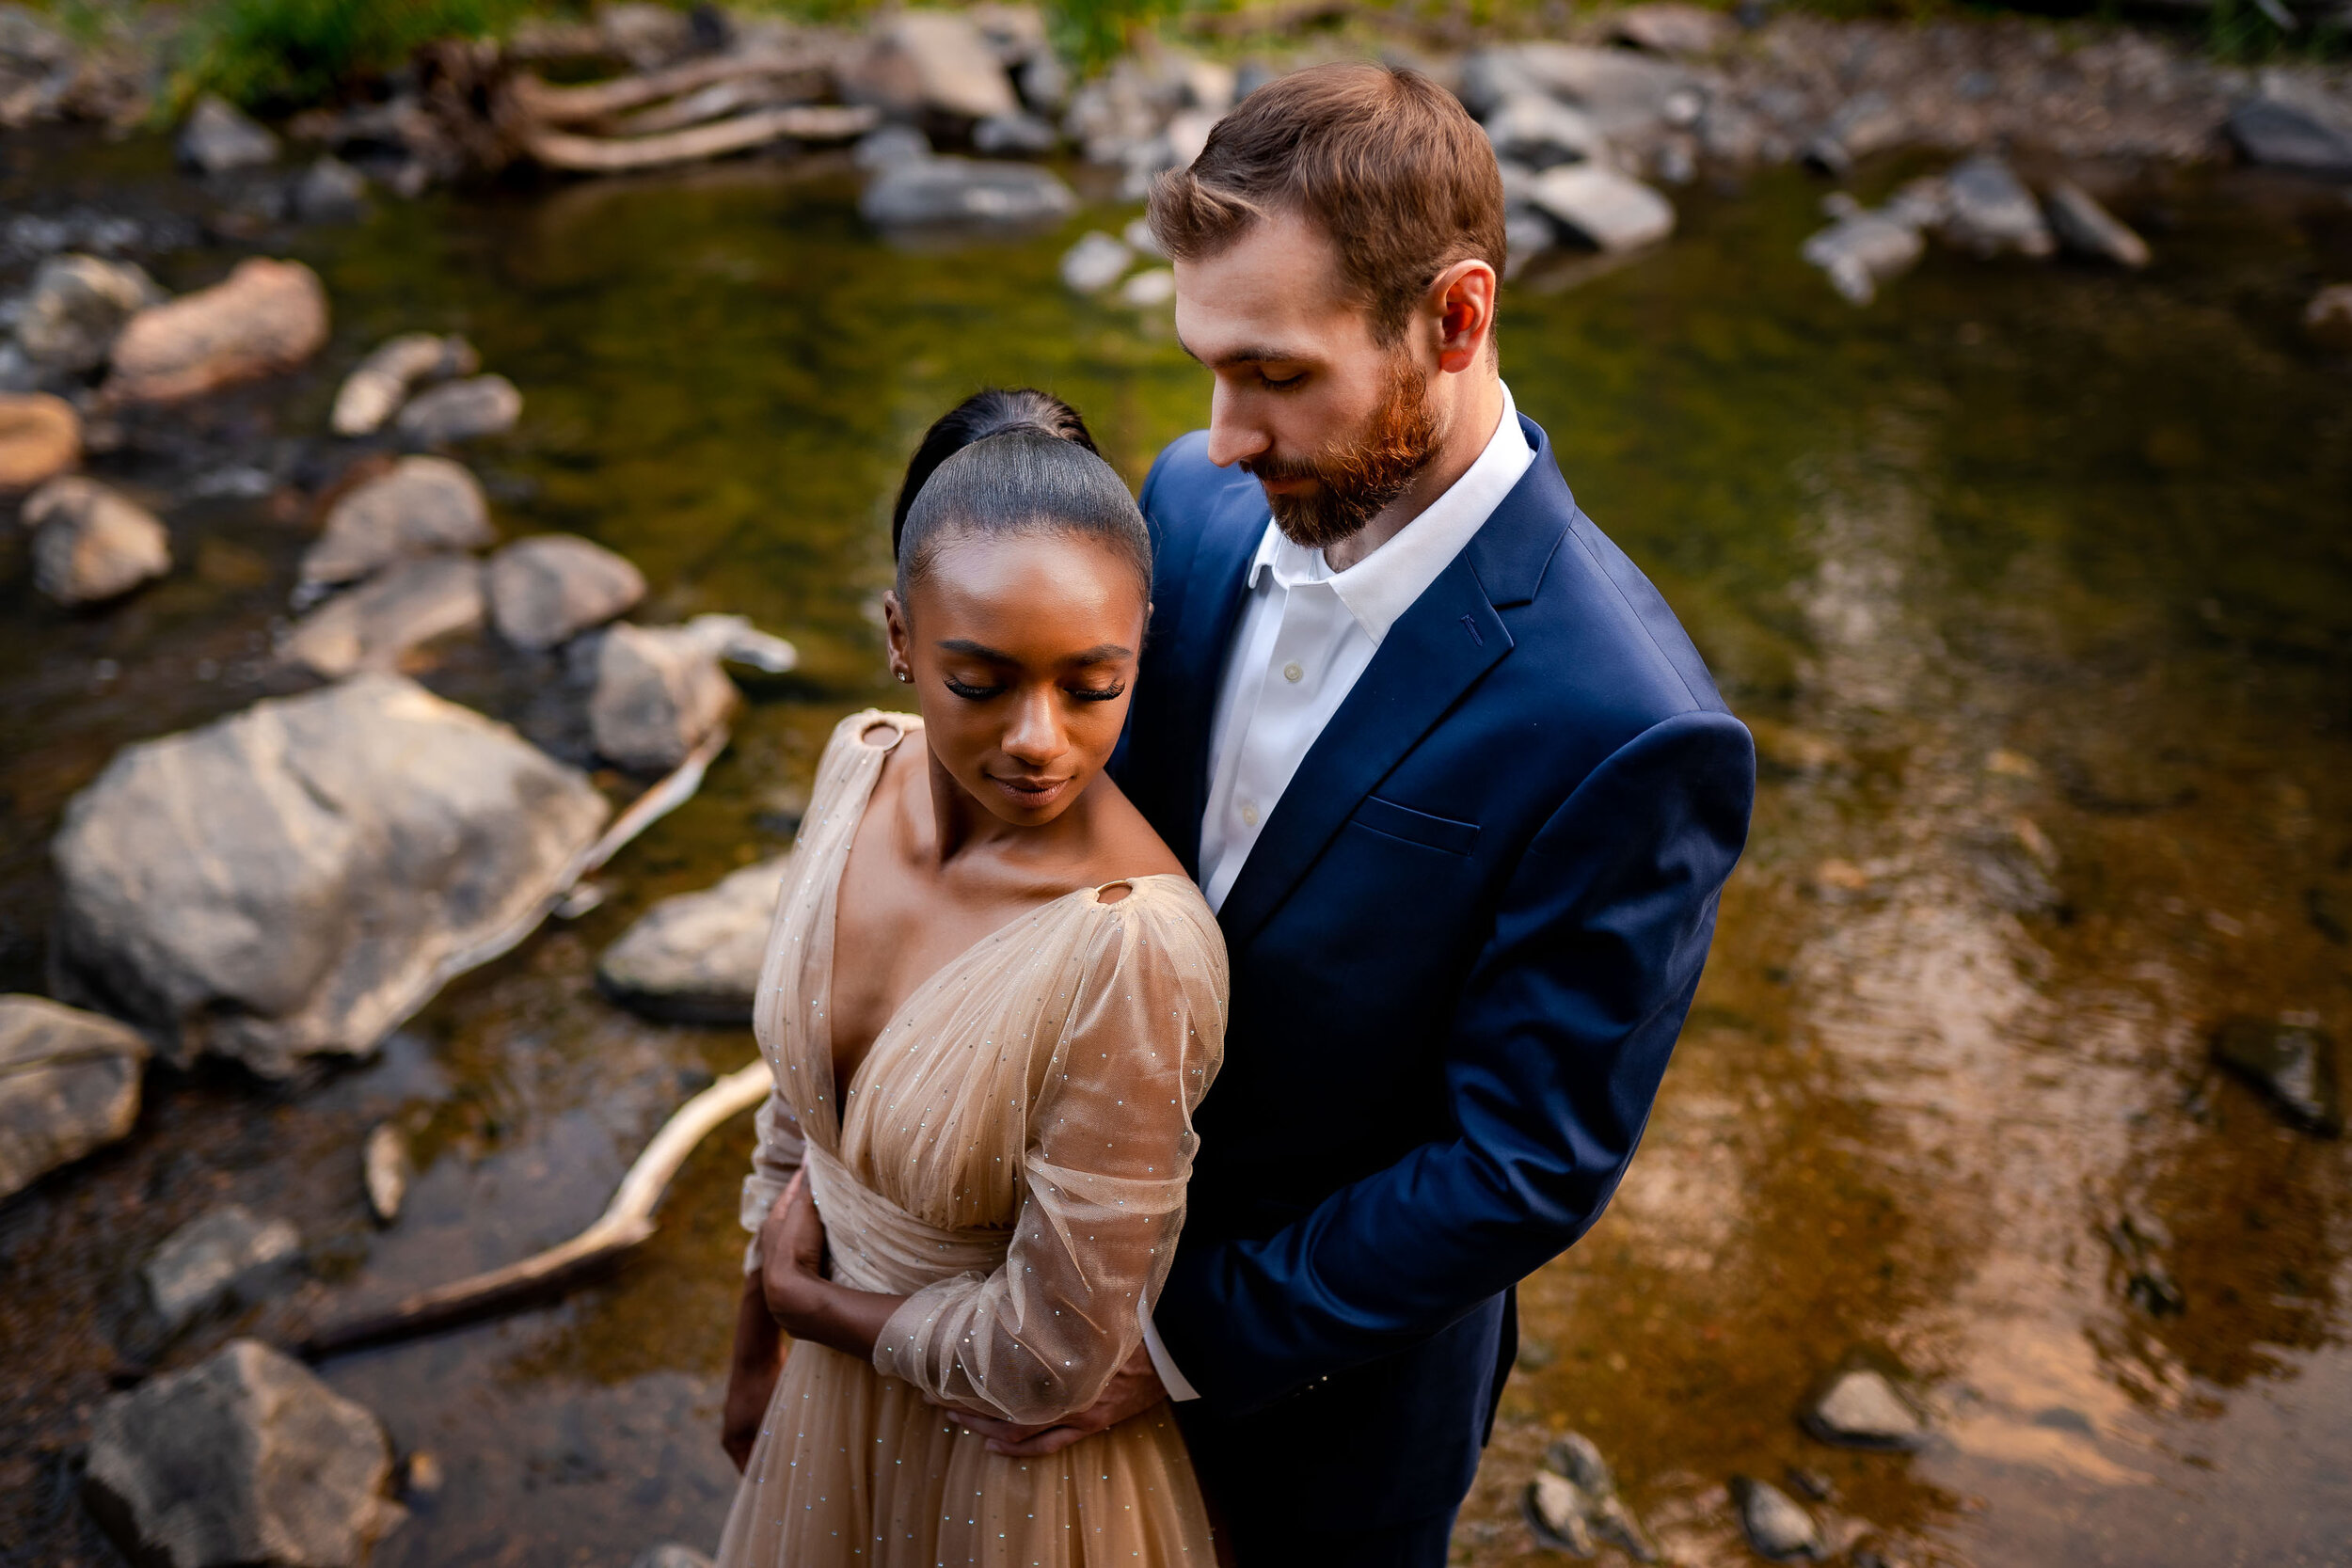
x: 2034, y: 581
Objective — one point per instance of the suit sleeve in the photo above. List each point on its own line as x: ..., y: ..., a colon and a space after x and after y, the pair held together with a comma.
x: 1552, y: 1059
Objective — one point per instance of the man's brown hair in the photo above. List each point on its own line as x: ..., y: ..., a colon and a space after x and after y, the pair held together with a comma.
x: 1385, y: 162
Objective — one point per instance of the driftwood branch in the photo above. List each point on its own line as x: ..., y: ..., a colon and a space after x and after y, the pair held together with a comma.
x: 677, y: 787
x: 604, y: 155
x: 554, y: 105
x: 626, y: 1223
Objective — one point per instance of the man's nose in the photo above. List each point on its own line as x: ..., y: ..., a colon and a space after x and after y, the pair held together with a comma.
x: 1035, y: 737
x: 1232, y: 436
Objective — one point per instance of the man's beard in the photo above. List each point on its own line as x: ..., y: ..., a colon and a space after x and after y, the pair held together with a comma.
x: 1355, y: 482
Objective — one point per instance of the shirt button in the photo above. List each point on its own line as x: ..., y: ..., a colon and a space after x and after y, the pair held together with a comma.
x: 1292, y: 673
x: 1250, y: 814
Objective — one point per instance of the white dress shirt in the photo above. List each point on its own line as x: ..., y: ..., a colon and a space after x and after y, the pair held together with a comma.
x: 1304, y: 636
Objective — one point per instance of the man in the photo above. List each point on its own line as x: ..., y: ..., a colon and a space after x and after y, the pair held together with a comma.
x: 1462, y: 794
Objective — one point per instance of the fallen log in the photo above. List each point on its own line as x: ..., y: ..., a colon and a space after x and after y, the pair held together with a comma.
x: 626, y: 1223
x: 605, y: 156
x: 704, y: 105
x: 541, y: 100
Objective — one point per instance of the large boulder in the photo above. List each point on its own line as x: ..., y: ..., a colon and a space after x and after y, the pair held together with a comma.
x: 959, y: 191
x: 266, y: 317
x: 375, y: 626
x: 931, y: 62
x: 243, y: 1461
x: 1600, y: 207
x: 40, y: 436
x: 76, y: 306
x: 217, y: 138
x: 696, y: 958
x: 89, y: 544
x: 1538, y: 131
x: 228, y: 1252
x: 371, y: 393
x: 298, y: 878
x: 69, y: 1084
x: 461, y: 411
x: 421, y: 506
x: 1626, y: 95
x: 659, y: 693
x: 549, y: 589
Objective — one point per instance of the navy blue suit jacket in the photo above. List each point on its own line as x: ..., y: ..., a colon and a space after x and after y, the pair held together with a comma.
x: 1462, y: 948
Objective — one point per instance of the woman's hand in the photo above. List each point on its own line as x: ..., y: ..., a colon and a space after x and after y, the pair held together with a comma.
x: 751, y: 1373
x: 792, y: 1260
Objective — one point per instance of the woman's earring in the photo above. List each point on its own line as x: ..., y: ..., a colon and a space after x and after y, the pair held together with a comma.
x: 906, y: 675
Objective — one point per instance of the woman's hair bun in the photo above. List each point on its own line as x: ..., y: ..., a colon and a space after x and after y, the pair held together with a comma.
x: 992, y: 411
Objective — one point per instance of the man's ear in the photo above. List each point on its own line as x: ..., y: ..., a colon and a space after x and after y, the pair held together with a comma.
x: 1462, y: 302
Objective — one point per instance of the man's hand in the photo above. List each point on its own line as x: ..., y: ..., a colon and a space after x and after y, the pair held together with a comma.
x: 1132, y: 1389
x: 792, y: 1256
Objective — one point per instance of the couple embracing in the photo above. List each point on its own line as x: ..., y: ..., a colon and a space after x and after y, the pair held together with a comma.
x: 1354, y: 773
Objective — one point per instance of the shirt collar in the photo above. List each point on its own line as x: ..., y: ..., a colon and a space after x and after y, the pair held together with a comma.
x: 1383, y: 586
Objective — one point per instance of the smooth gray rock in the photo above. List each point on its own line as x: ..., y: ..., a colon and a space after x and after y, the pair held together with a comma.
x: 92, y: 544
x: 659, y: 693
x: 1990, y: 210
x: 217, y: 138
x: 330, y: 191
x: 929, y: 62
x: 1665, y: 28
x: 375, y: 626
x: 1021, y: 135
x: 373, y: 391
x: 2087, y: 228
x: 1861, y: 1409
x: 75, y: 307
x: 890, y: 144
x: 461, y: 411
x: 1604, y: 209
x: 2293, y: 1064
x: 1555, y: 1509
x: 387, y: 1168
x: 2289, y: 135
x: 1095, y: 262
x: 1538, y: 131
x: 299, y: 876
x: 965, y: 191
x: 552, y: 586
x: 1863, y: 251
x: 1526, y: 232
x: 423, y: 506
x: 670, y: 1555
x: 246, y: 1460
x: 1603, y: 1513
x: 1776, y: 1523
x: 68, y: 1084
x: 228, y: 1252
x: 1043, y: 82
x: 1625, y: 94
x: 696, y: 958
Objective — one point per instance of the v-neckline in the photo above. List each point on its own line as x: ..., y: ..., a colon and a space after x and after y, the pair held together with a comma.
x: 829, y: 922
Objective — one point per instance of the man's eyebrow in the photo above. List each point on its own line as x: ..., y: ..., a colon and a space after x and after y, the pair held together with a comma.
x: 1254, y: 354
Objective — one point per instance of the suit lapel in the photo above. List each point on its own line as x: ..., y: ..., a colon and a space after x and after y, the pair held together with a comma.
x: 1202, y: 638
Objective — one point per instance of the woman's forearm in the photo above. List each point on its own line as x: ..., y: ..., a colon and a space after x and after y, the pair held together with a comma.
x: 758, y: 1340
x: 845, y: 1320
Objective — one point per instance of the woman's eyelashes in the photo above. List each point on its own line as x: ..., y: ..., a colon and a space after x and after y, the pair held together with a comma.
x: 970, y: 692
x: 974, y: 692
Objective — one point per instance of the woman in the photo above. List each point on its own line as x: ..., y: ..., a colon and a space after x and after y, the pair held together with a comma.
x: 991, y: 1000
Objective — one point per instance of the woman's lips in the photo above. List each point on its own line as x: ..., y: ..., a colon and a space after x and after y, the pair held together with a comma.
x: 1032, y: 792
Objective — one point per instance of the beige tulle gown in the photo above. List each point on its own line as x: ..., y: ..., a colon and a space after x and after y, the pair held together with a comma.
x: 1011, y: 1155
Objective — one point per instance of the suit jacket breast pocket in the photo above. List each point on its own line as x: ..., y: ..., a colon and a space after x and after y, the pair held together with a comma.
x: 1390, y: 820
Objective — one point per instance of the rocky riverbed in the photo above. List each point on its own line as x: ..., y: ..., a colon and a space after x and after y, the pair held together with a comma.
x: 1994, y: 1211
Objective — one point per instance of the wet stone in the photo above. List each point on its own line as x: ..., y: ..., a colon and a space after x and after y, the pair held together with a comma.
x: 1862, y: 251
x: 246, y: 1460
x: 1992, y: 211
x: 1538, y: 131
x: 423, y: 506
x: 929, y: 62
x: 2328, y: 317
x: 1776, y: 1525
x: 217, y: 138
x: 387, y: 1168
x: 461, y: 411
x: 1095, y: 262
x: 1555, y: 1513
x: 375, y: 626
x: 2290, y: 136
x: 2293, y: 1064
x: 68, y: 1084
x: 92, y: 544
x: 1021, y: 135
x: 960, y: 191
x: 1152, y: 287
x: 670, y: 1555
x: 696, y: 958
x: 75, y: 307
x: 2087, y: 228
x: 1573, y: 1502
x: 552, y: 586
x: 1861, y: 1409
x: 227, y: 1254
x: 40, y: 436
x: 659, y: 693
x: 264, y: 318
x: 330, y: 191
x: 889, y: 145
x: 375, y: 391
x: 1603, y: 209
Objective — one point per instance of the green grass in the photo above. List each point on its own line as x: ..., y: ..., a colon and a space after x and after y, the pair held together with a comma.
x: 281, y: 54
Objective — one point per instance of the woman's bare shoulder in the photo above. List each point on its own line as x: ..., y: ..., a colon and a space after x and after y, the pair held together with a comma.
x: 1123, y: 843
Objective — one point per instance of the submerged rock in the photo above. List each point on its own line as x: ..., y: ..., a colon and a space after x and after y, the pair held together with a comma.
x: 890, y: 144
x: 1990, y: 210
x: 461, y: 411
x: 374, y: 391
x: 965, y: 191
x: 2290, y: 136
x: 297, y: 878
x: 1604, y: 209
x: 1021, y: 135
x: 92, y: 544
x: 76, y: 306
x: 659, y: 693
x: 40, y: 436
x: 330, y: 191
x: 375, y: 626
x: 243, y: 1461
x: 265, y: 318
x: 217, y: 138
x: 1095, y: 262
x: 69, y: 1084
x: 1861, y: 1409
x: 1861, y: 252
x: 1776, y: 1523
x: 228, y: 1252
x: 552, y: 586
x: 2293, y: 1064
x: 387, y: 1168
x: 696, y: 958
x: 2087, y: 228
x: 421, y: 506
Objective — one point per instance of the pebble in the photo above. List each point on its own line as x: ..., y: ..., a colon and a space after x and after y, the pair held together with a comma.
x: 460, y: 411
x: 209, y: 1260
x: 1095, y: 262
x: 1153, y: 287
x: 1861, y: 1409
x: 388, y: 1169
x: 1776, y: 1523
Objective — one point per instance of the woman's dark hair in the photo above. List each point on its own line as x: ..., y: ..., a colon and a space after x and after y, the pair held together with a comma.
x: 988, y: 412
x: 1024, y: 476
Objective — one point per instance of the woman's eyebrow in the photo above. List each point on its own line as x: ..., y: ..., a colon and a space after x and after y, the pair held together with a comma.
x: 1102, y: 653
x: 970, y: 649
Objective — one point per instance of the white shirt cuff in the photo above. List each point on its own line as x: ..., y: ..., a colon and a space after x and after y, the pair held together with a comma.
x: 1178, y: 1387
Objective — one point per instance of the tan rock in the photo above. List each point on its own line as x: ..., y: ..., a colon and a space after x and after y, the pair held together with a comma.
x: 92, y: 544
x: 931, y: 62
x: 40, y: 436
x: 266, y: 317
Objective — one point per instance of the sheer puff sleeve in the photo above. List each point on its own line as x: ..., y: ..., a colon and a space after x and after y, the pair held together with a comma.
x: 1107, y: 1154
x: 774, y: 1159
